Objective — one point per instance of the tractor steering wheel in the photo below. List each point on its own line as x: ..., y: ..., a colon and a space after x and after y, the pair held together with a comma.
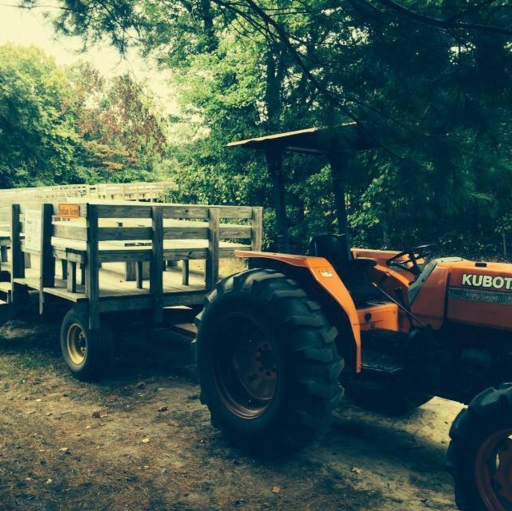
x: 410, y: 264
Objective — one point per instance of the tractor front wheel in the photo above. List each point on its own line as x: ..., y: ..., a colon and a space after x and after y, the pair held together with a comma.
x: 480, y: 452
x: 267, y: 362
x: 86, y: 352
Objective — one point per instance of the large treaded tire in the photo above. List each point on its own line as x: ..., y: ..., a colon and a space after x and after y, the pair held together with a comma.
x: 480, y: 437
x: 87, y: 353
x: 382, y: 397
x: 267, y: 363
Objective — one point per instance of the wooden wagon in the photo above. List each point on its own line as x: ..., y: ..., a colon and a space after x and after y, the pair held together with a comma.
x: 104, y: 259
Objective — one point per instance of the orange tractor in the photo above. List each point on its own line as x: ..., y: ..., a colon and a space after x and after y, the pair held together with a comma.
x: 394, y: 328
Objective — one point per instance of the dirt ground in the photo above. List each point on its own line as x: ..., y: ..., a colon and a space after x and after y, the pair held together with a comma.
x: 141, y: 441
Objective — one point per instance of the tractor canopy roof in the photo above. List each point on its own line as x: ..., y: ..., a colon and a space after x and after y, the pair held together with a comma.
x: 334, y: 143
x: 320, y: 141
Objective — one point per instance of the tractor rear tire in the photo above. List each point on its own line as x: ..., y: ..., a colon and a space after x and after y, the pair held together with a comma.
x: 385, y: 398
x: 87, y: 353
x: 267, y: 363
x: 480, y: 453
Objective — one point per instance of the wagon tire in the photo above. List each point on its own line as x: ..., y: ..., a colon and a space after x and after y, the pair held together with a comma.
x: 267, y: 363
x: 87, y: 352
x: 480, y: 452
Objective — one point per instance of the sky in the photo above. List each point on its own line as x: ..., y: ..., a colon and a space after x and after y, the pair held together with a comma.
x: 26, y: 28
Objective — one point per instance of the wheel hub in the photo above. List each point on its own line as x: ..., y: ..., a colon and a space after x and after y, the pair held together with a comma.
x: 245, y: 367
x: 76, y: 344
x: 255, y: 365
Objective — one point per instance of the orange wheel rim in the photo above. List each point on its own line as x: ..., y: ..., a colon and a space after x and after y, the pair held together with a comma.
x: 245, y: 366
x: 493, y: 471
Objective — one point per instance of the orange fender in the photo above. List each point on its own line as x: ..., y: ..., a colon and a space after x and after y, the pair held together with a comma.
x: 326, y: 276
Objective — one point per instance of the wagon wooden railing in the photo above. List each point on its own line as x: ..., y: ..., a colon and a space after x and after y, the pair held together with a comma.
x: 106, y: 191
x: 74, y: 251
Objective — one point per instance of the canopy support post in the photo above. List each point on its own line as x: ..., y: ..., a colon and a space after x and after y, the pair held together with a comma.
x: 274, y: 157
x: 338, y: 163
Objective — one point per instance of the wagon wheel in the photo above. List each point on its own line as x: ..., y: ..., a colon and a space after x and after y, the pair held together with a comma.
x: 86, y: 352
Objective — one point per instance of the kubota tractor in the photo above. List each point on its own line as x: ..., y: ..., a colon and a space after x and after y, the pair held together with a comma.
x: 275, y: 342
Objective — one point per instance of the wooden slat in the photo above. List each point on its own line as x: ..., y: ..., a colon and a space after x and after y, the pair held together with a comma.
x: 65, y: 294
x: 17, y: 256
x: 180, y: 254
x: 184, y: 298
x: 46, y: 260
x: 67, y: 255
x: 70, y: 232
x: 124, y: 233
x: 226, y: 252
x: 235, y: 232
x: 235, y: 212
x: 33, y: 283
x: 125, y: 303
x: 139, y: 274
x: 144, y: 302
x: 257, y: 229
x: 92, y: 270
x: 201, y: 212
x: 185, y: 272
x: 71, y: 277
x: 131, y: 274
x: 157, y: 264
x: 185, y: 233
x: 184, y: 211
x: 119, y: 211
x: 122, y: 255
x: 212, y: 263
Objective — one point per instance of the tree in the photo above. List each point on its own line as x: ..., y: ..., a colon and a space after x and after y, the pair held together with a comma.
x: 428, y: 81
x: 37, y: 141
x: 61, y: 126
x: 123, y: 136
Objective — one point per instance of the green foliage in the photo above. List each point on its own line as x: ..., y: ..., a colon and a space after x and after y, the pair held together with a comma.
x: 429, y: 81
x: 62, y: 126
x: 123, y: 137
x: 37, y: 142
x: 436, y: 100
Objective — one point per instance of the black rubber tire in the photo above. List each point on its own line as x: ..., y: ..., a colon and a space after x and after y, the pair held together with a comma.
x: 97, y: 353
x: 489, y: 412
x: 383, y: 397
x: 306, y: 363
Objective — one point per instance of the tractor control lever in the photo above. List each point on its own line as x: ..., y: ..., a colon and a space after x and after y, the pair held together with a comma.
x: 400, y: 306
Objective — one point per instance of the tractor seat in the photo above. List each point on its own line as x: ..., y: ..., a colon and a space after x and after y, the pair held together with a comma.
x: 352, y: 271
x: 335, y: 249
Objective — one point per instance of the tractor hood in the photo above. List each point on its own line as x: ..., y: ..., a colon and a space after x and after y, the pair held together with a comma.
x: 489, y: 277
x: 480, y: 294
